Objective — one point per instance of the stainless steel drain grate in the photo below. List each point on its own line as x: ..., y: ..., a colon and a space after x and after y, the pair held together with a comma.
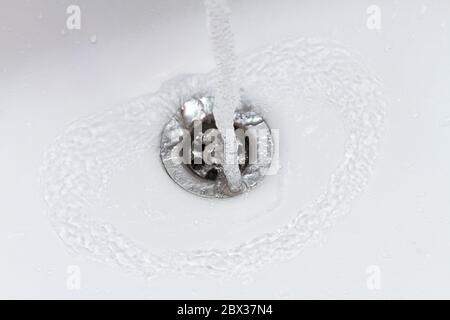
x: 192, y: 149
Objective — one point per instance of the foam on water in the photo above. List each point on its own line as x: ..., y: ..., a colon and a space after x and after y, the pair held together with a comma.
x: 226, y: 90
x: 78, y: 167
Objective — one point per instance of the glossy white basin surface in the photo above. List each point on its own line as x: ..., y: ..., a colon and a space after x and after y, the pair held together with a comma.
x: 392, y: 243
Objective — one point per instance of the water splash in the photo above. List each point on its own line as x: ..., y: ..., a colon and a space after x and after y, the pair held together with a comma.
x: 79, y: 166
x: 226, y: 91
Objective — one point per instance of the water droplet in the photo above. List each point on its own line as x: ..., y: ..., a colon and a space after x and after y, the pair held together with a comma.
x: 93, y: 39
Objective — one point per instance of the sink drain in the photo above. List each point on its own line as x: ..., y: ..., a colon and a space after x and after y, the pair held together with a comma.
x: 192, y: 149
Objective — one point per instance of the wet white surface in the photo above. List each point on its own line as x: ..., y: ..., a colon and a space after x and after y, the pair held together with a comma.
x: 51, y: 77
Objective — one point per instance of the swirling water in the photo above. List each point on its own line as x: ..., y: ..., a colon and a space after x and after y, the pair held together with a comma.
x: 79, y: 165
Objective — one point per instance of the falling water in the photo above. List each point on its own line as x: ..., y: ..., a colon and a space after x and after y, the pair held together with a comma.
x: 227, y: 96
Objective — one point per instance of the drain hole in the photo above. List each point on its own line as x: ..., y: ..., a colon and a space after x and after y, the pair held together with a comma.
x: 207, y: 130
x: 200, y: 171
x: 212, y: 174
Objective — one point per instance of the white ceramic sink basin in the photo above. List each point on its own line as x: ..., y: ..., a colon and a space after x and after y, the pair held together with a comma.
x: 392, y: 243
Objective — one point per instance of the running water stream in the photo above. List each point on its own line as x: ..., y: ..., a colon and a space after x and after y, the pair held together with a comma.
x: 227, y: 97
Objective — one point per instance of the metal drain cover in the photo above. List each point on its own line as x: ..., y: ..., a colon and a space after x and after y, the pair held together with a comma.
x: 192, y: 149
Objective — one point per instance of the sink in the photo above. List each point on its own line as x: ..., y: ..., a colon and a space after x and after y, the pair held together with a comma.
x: 361, y: 117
